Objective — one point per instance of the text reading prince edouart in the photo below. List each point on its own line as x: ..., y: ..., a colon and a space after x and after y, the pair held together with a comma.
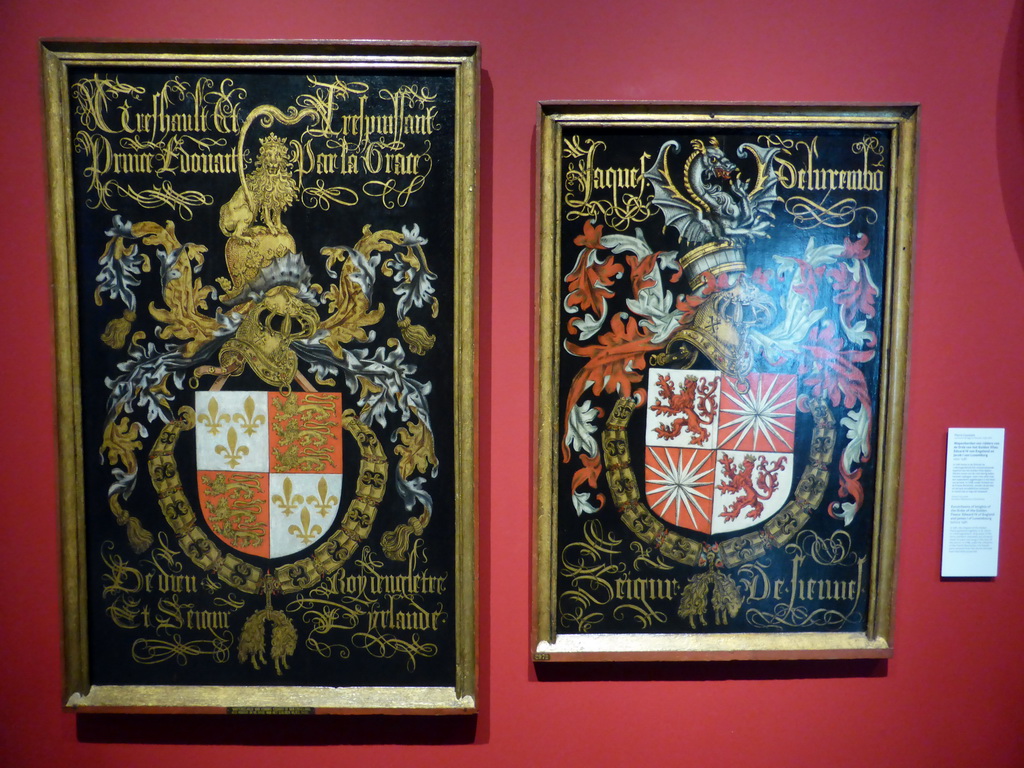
x: 265, y: 273
x: 720, y: 321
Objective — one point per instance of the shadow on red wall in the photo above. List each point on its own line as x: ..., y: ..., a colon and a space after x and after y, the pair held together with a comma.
x: 1010, y: 129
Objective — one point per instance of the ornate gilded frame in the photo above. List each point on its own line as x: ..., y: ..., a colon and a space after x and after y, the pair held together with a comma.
x: 758, y: 258
x: 187, y: 180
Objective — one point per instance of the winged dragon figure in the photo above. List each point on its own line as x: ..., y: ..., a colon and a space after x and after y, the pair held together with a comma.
x: 715, y: 202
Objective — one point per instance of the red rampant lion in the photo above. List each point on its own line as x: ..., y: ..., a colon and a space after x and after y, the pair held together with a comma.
x: 695, y: 406
x: 742, y: 482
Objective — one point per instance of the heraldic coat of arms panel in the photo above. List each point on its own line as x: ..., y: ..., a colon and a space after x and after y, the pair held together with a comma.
x: 265, y: 262
x: 723, y: 312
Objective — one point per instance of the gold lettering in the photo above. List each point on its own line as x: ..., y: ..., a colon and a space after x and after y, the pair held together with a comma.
x: 755, y: 581
x: 134, y: 162
x: 169, y: 616
x: 818, y: 590
x: 206, y: 619
x: 645, y: 589
x: 623, y: 186
x: 797, y: 169
x: 373, y: 159
x: 786, y: 172
x: 415, y: 618
x: 97, y: 152
x: 210, y: 163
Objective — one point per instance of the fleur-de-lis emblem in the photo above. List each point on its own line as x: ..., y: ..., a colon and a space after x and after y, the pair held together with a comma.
x: 213, y: 418
x: 305, y: 534
x: 288, y: 501
x: 250, y: 421
x: 232, y: 452
x: 322, y: 503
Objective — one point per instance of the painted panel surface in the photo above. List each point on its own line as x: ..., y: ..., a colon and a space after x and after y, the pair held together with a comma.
x: 266, y: 260
x: 724, y: 328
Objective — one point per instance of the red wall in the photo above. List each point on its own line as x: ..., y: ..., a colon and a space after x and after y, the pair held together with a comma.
x: 954, y: 692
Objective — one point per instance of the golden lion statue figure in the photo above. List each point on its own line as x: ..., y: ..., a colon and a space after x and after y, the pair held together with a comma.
x: 251, y: 219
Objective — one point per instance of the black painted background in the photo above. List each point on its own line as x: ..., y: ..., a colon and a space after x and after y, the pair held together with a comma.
x: 433, y: 209
x: 623, y: 149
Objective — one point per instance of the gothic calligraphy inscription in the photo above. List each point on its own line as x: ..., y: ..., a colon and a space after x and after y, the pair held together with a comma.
x: 356, y: 142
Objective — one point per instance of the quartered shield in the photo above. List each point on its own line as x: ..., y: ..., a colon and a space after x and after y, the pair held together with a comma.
x: 719, y: 450
x: 269, y: 468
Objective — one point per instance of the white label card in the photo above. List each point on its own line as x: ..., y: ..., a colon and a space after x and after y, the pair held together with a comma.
x: 974, y: 482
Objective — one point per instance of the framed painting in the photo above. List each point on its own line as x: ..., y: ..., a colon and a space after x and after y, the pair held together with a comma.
x: 264, y: 269
x: 723, y: 306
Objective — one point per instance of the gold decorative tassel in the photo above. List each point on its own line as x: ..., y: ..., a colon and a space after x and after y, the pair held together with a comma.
x: 116, y: 333
x: 420, y: 341
x: 726, y: 598
x: 138, y: 537
x: 252, y: 644
x: 395, y: 544
x: 283, y: 639
x: 694, y: 602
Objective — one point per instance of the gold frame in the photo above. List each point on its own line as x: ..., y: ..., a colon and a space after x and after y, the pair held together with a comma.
x: 458, y: 60
x: 549, y: 641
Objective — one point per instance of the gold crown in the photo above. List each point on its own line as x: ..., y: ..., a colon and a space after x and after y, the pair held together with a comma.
x: 273, y: 152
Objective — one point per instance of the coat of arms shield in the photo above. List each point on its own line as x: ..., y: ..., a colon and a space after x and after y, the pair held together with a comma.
x: 719, y: 449
x: 269, y: 468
